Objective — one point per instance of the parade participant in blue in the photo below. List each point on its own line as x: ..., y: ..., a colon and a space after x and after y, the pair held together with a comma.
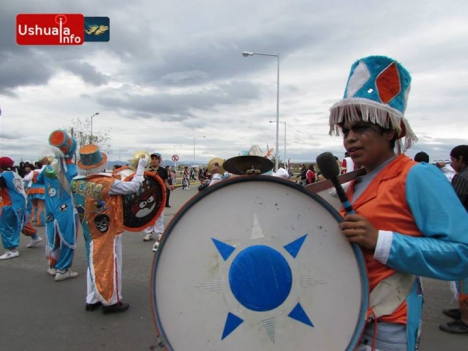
x: 61, y: 215
x: 99, y: 204
x: 403, y: 224
x: 13, y: 213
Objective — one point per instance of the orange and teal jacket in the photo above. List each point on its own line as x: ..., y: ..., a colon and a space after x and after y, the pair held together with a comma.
x: 101, y: 216
x: 423, y: 230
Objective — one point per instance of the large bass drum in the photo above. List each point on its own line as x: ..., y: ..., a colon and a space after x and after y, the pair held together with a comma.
x: 258, y: 263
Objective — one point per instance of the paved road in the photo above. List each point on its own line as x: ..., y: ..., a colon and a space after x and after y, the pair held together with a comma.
x: 36, y: 313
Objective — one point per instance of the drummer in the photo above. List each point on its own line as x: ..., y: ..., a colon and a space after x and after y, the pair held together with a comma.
x: 408, y: 220
x: 157, y: 228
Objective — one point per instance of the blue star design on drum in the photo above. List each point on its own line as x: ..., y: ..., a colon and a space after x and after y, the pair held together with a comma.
x: 260, y: 279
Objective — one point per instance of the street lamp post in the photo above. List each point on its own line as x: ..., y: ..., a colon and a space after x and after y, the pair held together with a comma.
x: 284, y: 160
x: 249, y: 53
x: 194, y: 147
x: 91, y: 141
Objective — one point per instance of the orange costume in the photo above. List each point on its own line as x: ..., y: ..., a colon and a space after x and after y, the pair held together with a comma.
x: 396, y: 218
x: 99, y: 204
x: 403, y: 201
x: 102, y: 221
x: 419, y: 231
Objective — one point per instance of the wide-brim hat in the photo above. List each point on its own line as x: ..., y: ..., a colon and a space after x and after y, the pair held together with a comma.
x: 220, y: 162
x: 91, y: 157
x: 254, y: 161
x: 244, y: 164
x: 377, y: 92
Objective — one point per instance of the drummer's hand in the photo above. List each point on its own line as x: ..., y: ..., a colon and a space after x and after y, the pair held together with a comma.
x: 142, y: 161
x: 358, y: 229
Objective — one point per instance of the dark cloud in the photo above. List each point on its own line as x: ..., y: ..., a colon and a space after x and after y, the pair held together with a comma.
x: 22, y: 70
x: 199, y: 62
x: 179, y: 106
x: 87, y: 72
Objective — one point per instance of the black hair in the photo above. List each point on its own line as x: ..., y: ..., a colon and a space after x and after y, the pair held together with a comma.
x: 421, y: 157
x: 388, y: 130
x: 460, y: 150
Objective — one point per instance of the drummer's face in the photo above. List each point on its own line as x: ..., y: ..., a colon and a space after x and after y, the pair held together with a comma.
x: 154, y: 161
x: 367, y: 144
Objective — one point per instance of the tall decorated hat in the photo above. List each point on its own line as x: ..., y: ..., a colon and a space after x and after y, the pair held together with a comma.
x: 61, y: 140
x: 377, y: 92
x: 91, y: 157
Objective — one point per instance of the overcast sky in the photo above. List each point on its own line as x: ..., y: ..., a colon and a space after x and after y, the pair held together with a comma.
x: 174, y: 70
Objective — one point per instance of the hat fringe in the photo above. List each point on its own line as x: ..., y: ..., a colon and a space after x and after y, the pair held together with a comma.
x: 357, y: 109
x: 89, y: 172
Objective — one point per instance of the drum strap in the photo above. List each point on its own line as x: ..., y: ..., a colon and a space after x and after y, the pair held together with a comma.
x: 389, y: 294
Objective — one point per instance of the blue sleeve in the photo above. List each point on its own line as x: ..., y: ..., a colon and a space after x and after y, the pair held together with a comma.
x: 442, y: 251
x: 71, y: 172
x: 40, y: 178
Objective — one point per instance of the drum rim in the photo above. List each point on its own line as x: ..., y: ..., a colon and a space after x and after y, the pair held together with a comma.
x: 266, y: 178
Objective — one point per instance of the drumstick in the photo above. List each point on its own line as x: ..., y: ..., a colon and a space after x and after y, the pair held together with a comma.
x: 330, y: 170
x: 327, y: 184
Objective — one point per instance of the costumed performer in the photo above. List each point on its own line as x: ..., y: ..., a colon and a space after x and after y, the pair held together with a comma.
x: 99, y: 204
x: 61, y: 215
x: 157, y: 228
x: 13, y: 212
x: 402, y: 223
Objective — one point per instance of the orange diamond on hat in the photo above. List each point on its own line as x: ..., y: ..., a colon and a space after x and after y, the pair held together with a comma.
x: 388, y: 83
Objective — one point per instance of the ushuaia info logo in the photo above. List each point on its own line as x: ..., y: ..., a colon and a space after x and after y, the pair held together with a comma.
x: 49, y: 29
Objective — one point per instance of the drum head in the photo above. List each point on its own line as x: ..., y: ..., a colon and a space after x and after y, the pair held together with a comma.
x: 258, y: 263
x: 142, y: 209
